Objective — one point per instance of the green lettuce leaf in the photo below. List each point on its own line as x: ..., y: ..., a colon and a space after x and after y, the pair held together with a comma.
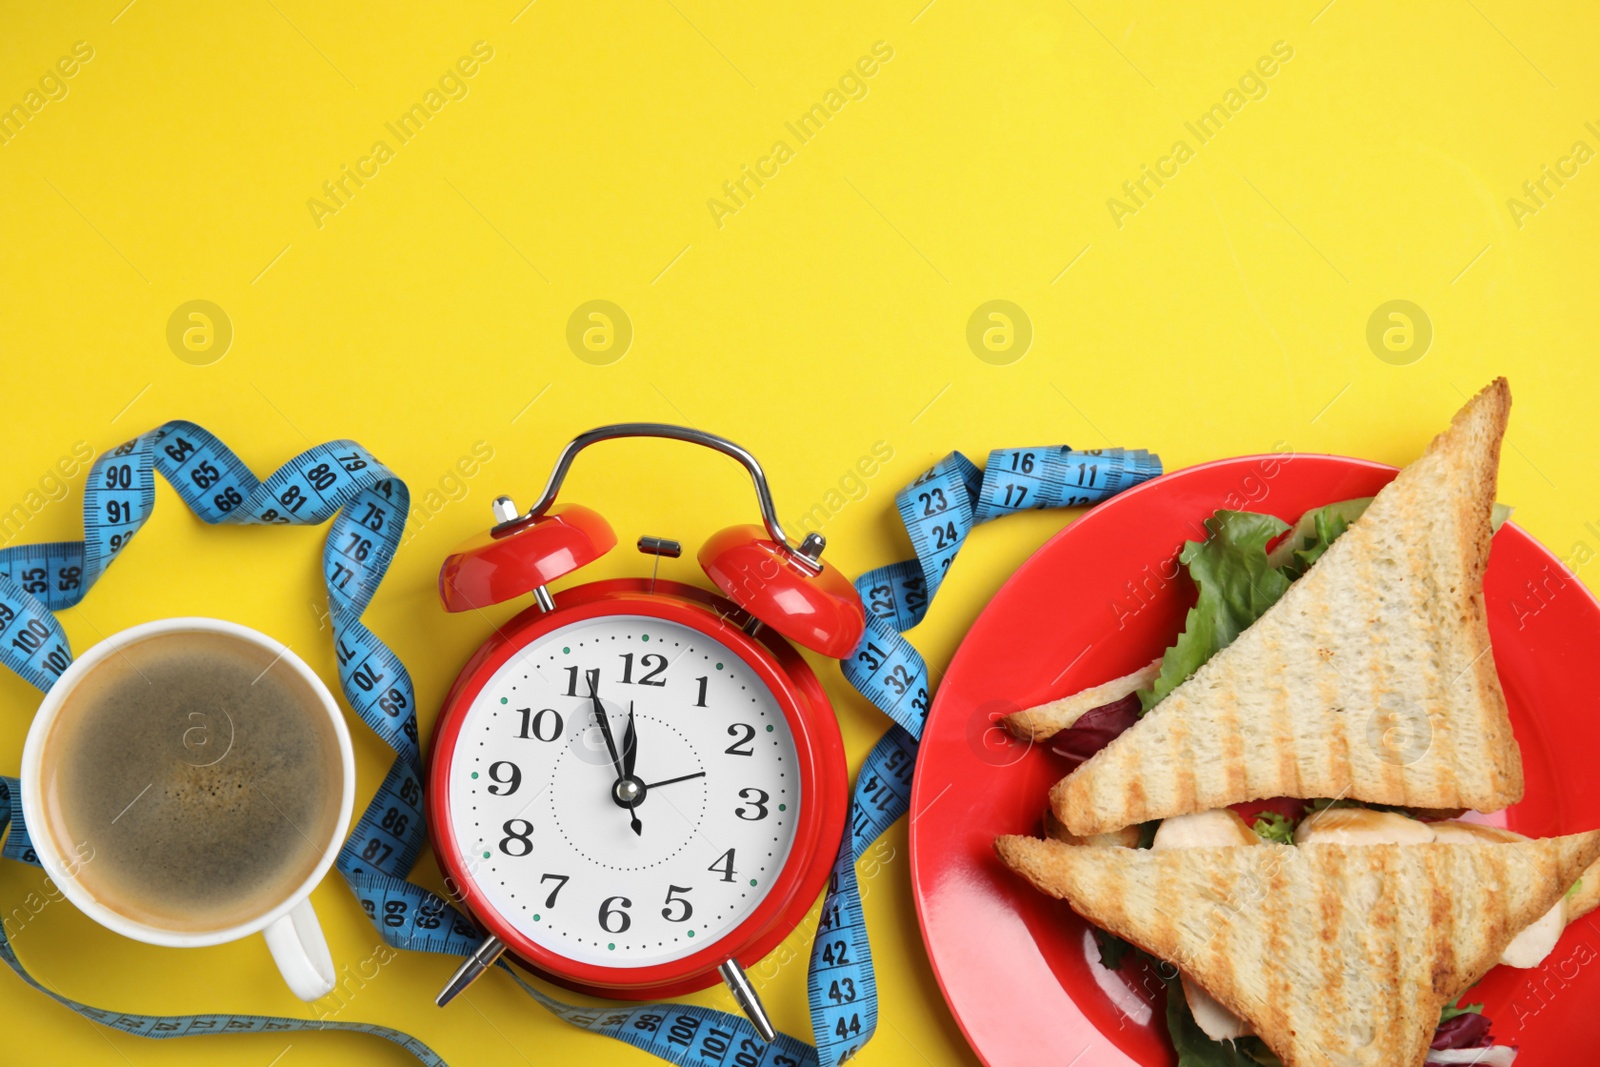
x: 1311, y: 536
x: 1274, y: 826
x: 1237, y: 585
x: 1450, y: 1011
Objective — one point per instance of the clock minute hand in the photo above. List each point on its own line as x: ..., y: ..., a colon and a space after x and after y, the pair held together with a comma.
x: 630, y: 745
x: 680, y: 778
x: 630, y: 750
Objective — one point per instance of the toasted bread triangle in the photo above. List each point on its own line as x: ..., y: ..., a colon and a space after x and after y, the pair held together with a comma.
x: 1371, y: 678
x: 1336, y: 955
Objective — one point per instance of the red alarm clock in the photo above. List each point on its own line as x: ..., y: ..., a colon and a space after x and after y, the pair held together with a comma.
x: 638, y: 786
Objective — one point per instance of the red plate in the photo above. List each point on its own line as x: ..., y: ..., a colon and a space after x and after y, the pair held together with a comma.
x: 1020, y: 971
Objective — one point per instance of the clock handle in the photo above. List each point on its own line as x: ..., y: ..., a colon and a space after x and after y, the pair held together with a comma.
x: 803, y: 555
x: 749, y: 1000
x: 482, y: 958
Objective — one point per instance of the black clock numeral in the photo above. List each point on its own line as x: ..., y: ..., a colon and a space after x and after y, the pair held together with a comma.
x: 608, y: 913
x: 700, y: 701
x: 539, y: 725
x: 743, y: 734
x: 724, y: 866
x: 644, y: 661
x: 673, y: 898
x: 511, y: 782
x: 572, y: 681
x: 651, y: 672
x: 519, y: 836
x: 561, y: 880
x: 757, y: 802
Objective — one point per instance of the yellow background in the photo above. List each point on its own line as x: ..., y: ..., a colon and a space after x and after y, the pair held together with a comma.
x: 827, y: 314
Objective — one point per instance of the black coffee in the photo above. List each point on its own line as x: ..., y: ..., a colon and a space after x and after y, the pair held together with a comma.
x: 203, y: 776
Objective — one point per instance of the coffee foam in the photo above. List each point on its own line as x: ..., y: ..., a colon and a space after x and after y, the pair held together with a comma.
x: 203, y: 775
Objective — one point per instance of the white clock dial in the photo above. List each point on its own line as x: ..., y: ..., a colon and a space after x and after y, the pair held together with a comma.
x: 535, y: 806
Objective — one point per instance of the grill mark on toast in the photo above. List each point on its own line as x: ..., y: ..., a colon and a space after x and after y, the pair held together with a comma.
x: 1180, y: 787
x: 1328, y: 925
x: 1275, y: 944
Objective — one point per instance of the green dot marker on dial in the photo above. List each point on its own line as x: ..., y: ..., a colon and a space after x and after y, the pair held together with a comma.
x: 719, y: 666
x: 769, y: 727
x: 535, y: 917
x: 505, y: 700
x: 691, y: 933
x: 474, y: 774
x: 752, y: 881
x: 485, y: 855
x: 566, y: 651
x: 644, y: 637
x: 612, y: 946
x: 783, y: 807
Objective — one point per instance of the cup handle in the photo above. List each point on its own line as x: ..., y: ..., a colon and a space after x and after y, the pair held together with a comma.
x: 301, y: 952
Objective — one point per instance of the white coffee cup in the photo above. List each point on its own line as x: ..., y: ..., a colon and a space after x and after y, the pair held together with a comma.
x: 290, y: 926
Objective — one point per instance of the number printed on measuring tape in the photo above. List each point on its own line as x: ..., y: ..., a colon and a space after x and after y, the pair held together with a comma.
x: 368, y: 504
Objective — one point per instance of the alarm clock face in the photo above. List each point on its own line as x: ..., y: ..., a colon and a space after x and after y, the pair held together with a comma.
x: 546, y: 831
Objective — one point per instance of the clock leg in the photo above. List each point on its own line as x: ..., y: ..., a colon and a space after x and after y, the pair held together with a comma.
x: 481, y: 960
x: 749, y: 1001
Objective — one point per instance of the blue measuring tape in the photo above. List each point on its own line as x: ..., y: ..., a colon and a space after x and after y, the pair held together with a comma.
x: 369, y: 505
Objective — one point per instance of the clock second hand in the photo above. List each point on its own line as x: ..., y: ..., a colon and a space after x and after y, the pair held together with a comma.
x: 611, y: 747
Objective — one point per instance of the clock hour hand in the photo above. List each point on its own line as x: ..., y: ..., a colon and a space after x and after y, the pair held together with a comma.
x: 605, y: 723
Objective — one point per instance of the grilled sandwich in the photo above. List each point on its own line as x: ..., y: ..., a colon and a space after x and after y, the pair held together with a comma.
x: 1360, y: 948
x: 1371, y: 678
